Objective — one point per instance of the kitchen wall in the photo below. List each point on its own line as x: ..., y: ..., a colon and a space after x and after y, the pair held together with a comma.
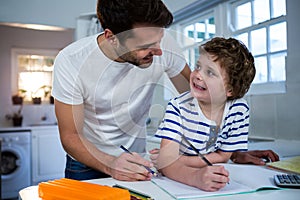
x: 174, y: 6
x: 54, y: 12
x: 57, y: 12
x: 25, y: 38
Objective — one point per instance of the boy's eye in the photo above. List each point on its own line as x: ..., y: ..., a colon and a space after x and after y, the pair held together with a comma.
x: 210, y: 73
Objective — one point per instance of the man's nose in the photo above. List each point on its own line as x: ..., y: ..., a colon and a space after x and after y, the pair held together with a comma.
x: 156, y: 50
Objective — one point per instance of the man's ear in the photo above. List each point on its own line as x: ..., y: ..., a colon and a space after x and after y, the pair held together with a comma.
x: 110, y: 37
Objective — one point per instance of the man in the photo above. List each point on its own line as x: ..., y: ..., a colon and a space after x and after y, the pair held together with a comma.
x: 103, y: 87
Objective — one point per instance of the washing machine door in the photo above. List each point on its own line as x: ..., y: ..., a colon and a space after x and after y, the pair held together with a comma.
x: 15, y: 163
x: 10, y: 162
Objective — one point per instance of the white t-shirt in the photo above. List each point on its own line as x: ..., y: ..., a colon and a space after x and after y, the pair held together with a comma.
x: 116, y: 96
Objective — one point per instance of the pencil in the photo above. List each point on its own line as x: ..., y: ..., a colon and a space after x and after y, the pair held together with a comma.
x: 148, y: 168
x: 196, y: 151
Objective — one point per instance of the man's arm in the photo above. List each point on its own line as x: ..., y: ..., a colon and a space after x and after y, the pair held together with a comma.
x: 70, y: 122
x: 181, y: 81
x: 254, y: 157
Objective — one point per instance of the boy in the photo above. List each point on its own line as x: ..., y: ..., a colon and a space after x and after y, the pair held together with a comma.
x: 213, y: 116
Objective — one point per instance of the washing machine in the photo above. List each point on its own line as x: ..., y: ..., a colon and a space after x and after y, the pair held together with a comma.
x: 15, y: 162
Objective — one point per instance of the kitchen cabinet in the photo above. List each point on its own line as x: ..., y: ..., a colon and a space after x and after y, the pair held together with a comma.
x: 48, y: 156
x: 87, y: 24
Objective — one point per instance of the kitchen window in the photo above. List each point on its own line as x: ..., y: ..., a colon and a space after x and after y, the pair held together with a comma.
x: 32, y: 72
x: 190, y: 33
x: 202, y: 29
x: 259, y: 24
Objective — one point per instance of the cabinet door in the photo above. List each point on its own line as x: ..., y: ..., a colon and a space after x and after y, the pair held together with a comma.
x: 48, y: 156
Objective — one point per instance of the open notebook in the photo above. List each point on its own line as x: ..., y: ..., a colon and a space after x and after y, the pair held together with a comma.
x: 243, y: 179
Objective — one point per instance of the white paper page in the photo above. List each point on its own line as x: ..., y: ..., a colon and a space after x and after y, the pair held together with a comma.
x: 255, y: 177
x: 181, y: 191
x: 143, y: 187
x: 243, y: 178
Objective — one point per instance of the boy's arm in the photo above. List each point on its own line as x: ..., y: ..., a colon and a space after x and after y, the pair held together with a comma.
x: 219, y: 156
x: 214, y: 157
x: 208, y: 178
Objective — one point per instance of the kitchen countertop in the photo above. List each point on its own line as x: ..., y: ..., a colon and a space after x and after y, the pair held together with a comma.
x: 26, y: 128
x: 282, y: 147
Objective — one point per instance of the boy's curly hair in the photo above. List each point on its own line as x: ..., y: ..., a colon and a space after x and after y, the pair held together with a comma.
x: 236, y: 59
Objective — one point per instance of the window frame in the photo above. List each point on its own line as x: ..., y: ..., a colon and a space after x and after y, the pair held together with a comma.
x: 15, y: 52
x: 191, y: 21
x: 269, y: 87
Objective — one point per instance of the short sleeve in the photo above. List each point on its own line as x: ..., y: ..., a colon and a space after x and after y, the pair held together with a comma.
x: 66, y: 87
x: 174, y: 58
x: 170, y: 128
x: 235, y: 131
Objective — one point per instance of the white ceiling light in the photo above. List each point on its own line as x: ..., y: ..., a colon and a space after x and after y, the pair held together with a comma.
x: 34, y: 26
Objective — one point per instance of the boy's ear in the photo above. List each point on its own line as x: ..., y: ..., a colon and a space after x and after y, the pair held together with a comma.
x: 229, y: 92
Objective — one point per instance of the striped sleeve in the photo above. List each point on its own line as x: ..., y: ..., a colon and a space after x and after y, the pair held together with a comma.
x: 170, y: 128
x: 234, y: 136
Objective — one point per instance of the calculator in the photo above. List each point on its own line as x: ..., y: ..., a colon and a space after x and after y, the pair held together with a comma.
x: 287, y: 180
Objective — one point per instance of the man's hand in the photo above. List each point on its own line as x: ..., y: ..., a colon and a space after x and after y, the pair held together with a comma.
x: 130, y: 167
x: 254, y: 157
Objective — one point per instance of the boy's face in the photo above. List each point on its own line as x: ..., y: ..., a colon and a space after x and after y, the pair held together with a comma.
x: 140, y: 49
x: 208, y: 81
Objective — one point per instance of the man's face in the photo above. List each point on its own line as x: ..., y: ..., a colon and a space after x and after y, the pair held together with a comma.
x: 141, y: 47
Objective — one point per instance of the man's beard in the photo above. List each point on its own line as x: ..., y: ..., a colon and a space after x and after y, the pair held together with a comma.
x: 130, y: 58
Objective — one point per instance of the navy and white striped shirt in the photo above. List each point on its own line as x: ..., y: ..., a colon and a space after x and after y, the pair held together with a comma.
x: 184, y: 116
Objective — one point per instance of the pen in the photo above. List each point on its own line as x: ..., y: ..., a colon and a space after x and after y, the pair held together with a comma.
x: 196, y: 151
x: 148, y: 168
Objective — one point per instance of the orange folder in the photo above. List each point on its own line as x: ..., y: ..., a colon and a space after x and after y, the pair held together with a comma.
x: 68, y: 189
